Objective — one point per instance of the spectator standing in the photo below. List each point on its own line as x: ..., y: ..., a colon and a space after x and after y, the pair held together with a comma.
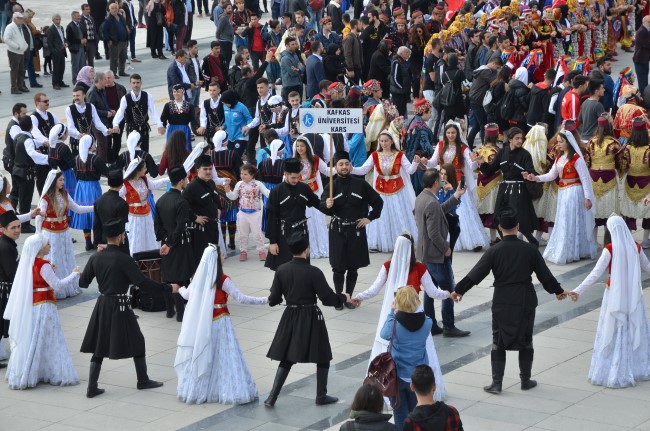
x: 521, y: 99
x: 334, y: 11
x: 641, y: 56
x: 471, y: 60
x: 379, y: 68
x: 482, y: 77
x: 571, y: 101
x: 89, y: 31
x: 400, y: 80
x: 98, y: 10
x: 590, y: 111
x: 114, y: 93
x: 97, y: 97
x: 76, y: 44
x: 16, y: 47
x: 226, y: 34
x: 315, y: 69
x: 32, y: 36
x: 116, y: 34
x: 540, y: 97
x: 4, y: 18
x: 155, y: 26
x: 177, y: 75
x: 215, y: 67
x: 57, y: 44
x: 353, y: 53
x: 604, y: 73
x: 179, y: 24
x: 256, y: 44
x: 370, y: 39
x: 366, y: 411
x: 291, y: 68
x: 132, y: 23
x: 193, y: 69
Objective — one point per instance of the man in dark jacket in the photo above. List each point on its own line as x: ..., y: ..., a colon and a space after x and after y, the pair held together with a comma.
x: 400, y: 80
x: 97, y: 97
x: 482, y: 77
x: 57, y: 44
x: 98, y: 10
x: 380, y: 67
x: 471, y: 59
x: 641, y: 56
x: 215, y: 67
x: 314, y: 69
x: 116, y: 35
x: 8, y: 266
x: 370, y: 40
x: 334, y: 12
x: 107, y: 207
x: 76, y: 44
x: 540, y: 96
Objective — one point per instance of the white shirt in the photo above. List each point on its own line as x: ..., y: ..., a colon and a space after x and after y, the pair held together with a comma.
x: 203, y: 116
x: 42, y: 115
x: 72, y: 129
x: 256, y: 121
x: 153, y: 115
x: 38, y: 158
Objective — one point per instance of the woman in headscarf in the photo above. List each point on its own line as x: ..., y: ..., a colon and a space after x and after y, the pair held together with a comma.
x: 401, y: 270
x: 227, y: 163
x: 271, y: 171
x: 312, y: 168
x: 334, y: 64
x: 60, y: 156
x: 621, y: 355
x: 39, y: 352
x: 453, y: 149
x: 628, y: 111
x: 519, y: 85
x: 90, y: 169
x: 53, y: 223
x: 136, y: 191
x: 572, y: 236
x: 177, y: 114
x: 85, y: 78
x: 209, y: 362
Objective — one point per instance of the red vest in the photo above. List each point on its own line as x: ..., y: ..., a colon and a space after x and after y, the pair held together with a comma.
x: 220, y: 300
x: 138, y: 205
x: 311, y: 181
x: 456, y: 161
x: 42, y: 291
x: 569, y: 175
x: 388, y: 183
x: 415, y: 275
x: 609, y: 248
x: 54, y: 222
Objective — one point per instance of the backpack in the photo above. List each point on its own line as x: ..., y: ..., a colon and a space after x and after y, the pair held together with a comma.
x: 233, y: 77
x: 449, y: 93
x: 508, y: 106
x: 316, y: 5
x: 239, y: 87
x: 489, y: 104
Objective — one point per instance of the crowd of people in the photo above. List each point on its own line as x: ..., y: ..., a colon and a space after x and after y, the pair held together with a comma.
x: 564, y: 149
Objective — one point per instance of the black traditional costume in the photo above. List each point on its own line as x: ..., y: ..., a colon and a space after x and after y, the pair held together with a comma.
x: 8, y: 267
x: 110, y: 206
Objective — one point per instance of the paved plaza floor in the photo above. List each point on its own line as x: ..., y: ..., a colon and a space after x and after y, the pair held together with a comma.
x: 564, y: 399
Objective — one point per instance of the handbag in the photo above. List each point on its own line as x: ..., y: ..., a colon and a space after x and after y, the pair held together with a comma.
x: 383, y: 371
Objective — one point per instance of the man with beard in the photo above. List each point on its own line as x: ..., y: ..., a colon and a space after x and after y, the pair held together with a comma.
x: 8, y: 265
x: 286, y: 213
x: 347, y: 234
x: 171, y: 222
x: 203, y: 198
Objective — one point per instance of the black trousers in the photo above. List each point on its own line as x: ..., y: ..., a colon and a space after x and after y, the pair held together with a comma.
x: 253, y: 138
x: 25, y: 193
x: 144, y: 138
x: 114, y: 144
x: 41, y: 176
x: 400, y: 102
x: 58, y: 67
x: 226, y: 51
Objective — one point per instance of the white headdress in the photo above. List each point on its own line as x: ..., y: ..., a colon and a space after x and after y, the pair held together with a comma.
x: 537, y: 145
x: 132, y: 142
x: 194, y: 339
x: 57, y: 132
x: 572, y: 142
x: 21, y: 300
x: 275, y: 147
x: 521, y: 75
x: 51, y: 176
x: 85, y: 143
x: 219, y: 141
x: 132, y: 167
x: 188, y: 164
x: 2, y: 182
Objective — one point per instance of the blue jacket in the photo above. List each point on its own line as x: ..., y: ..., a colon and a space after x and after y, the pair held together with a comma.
x: 409, y: 345
x: 175, y: 77
x: 357, y: 144
x: 115, y: 29
x: 315, y: 74
x: 236, y: 118
x: 290, y: 77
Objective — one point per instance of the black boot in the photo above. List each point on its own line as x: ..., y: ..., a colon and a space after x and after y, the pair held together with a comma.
x: 350, y: 284
x: 180, y: 306
x: 143, y: 378
x: 339, y: 281
x: 280, y: 378
x: 525, y: 369
x: 498, y: 367
x: 169, y: 304
x: 321, y: 388
x: 93, y: 376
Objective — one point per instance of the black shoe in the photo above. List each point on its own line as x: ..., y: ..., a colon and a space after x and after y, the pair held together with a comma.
x: 16, y: 92
x: 339, y: 308
x: 321, y: 388
x: 149, y: 384
x: 231, y: 245
x: 24, y: 90
x: 477, y: 249
x: 144, y: 382
x: 38, y: 75
x: 56, y: 87
x: 162, y: 57
x: 89, y: 247
x: 27, y: 228
x: 37, y: 85
x: 124, y: 74
x: 93, y: 376
x: 528, y: 384
x: 280, y: 378
x: 64, y: 85
x: 525, y: 369
x: 349, y: 305
x: 98, y: 57
x: 169, y: 304
x: 436, y: 330
x: 179, y: 302
x: 454, y: 332
x: 494, y: 388
x: 3, y: 366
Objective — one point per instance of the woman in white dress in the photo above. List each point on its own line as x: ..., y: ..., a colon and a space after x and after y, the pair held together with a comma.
x: 392, y: 180
x: 39, y: 352
x: 621, y: 355
x: 572, y: 237
x: 136, y: 189
x: 209, y: 362
x: 312, y: 167
x: 453, y: 149
x: 402, y: 270
x: 53, y: 223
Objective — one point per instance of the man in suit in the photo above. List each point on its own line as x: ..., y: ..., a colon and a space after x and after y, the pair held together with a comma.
x: 97, y: 97
x: 57, y: 43
x: 432, y: 248
x: 98, y: 12
x: 76, y: 44
x: 193, y: 69
x: 177, y: 75
x: 315, y: 69
x: 89, y: 30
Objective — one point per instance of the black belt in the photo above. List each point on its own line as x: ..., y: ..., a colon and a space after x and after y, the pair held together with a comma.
x: 124, y: 300
x: 293, y: 225
x: 301, y: 305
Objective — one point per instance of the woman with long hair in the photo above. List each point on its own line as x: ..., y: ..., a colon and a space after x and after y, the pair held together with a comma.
x: 312, y: 168
x: 572, y: 237
x: 178, y: 114
x: 391, y: 179
x: 603, y: 162
x: 53, y: 223
x: 418, y: 38
x: 209, y: 362
x: 136, y: 190
x: 453, y: 149
x: 634, y: 159
x: 175, y: 152
x: 499, y: 87
x: 90, y: 169
x: 401, y: 270
x: 621, y: 354
x: 366, y: 411
x: 448, y: 185
x: 39, y: 352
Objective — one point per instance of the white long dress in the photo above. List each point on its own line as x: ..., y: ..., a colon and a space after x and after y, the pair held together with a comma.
x: 229, y: 380
x: 618, y: 364
x: 572, y: 237
x: 140, y: 230
x: 397, y: 214
x: 380, y: 345
x: 48, y: 359
x: 319, y: 243
x: 472, y: 231
x: 62, y: 249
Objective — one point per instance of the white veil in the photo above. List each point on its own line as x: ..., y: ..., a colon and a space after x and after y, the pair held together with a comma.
x: 193, y: 344
x: 132, y: 142
x: 294, y: 153
x: 51, y: 176
x: 188, y: 164
x: 85, y: 144
x: 56, y: 132
x: 274, y: 147
x: 219, y: 141
x: 537, y: 145
x: 20, y: 304
x: 591, y: 213
x: 625, y: 297
x: 132, y: 167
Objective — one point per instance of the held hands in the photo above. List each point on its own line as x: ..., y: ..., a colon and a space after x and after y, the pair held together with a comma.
x: 329, y: 202
x: 355, y: 301
x: 164, y: 250
x: 417, y: 159
x: 588, y: 204
x: 455, y: 297
x: 529, y: 177
x: 35, y: 212
x: 161, y: 130
x: 573, y: 295
x: 175, y: 288
x: 362, y: 222
x: 274, y: 249
x: 201, y: 220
